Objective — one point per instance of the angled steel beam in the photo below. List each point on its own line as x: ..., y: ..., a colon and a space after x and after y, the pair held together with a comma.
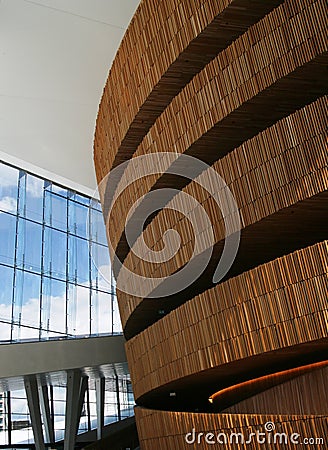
x: 118, y: 397
x: 100, y: 402
x: 32, y: 394
x: 72, y: 408
x: 46, y: 415
x: 83, y: 389
x: 9, y: 416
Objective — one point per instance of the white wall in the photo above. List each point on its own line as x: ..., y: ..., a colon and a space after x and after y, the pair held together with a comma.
x: 54, y: 59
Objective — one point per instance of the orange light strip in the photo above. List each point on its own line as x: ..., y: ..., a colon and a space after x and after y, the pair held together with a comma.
x: 267, y: 379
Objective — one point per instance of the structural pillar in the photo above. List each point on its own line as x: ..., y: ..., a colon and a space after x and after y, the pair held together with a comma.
x: 46, y: 414
x: 118, y: 397
x: 72, y: 408
x: 100, y: 400
x: 83, y: 389
x: 33, y: 401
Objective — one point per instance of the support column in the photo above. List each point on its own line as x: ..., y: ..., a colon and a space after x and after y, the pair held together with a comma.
x: 118, y: 397
x: 83, y: 389
x: 32, y: 394
x: 72, y: 408
x: 88, y: 409
x: 9, y: 425
x: 100, y: 400
x: 46, y: 414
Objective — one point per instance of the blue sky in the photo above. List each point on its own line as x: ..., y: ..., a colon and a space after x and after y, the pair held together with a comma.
x: 31, y: 234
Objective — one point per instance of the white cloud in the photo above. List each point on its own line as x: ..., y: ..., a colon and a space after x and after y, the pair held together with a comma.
x: 107, y: 279
x: 9, y: 179
x: 78, y: 315
x: 5, y: 312
x: 8, y: 204
x: 8, y: 176
x: 35, y: 187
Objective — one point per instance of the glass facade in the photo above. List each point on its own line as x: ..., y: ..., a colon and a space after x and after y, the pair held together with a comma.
x: 52, y: 244
x: 56, y: 283
x: 15, y: 421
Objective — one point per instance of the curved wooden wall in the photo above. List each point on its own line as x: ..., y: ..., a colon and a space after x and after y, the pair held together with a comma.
x: 257, y: 312
x: 297, y: 166
x: 166, y: 44
x: 231, y: 88
x: 306, y: 394
x: 241, y: 85
x: 167, y: 430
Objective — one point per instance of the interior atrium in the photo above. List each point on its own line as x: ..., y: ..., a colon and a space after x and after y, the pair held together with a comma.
x: 163, y: 224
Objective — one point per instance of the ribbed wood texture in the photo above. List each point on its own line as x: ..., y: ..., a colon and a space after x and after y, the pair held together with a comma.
x: 307, y: 394
x: 167, y: 430
x: 257, y: 68
x: 242, y: 86
x: 283, y: 165
x: 166, y: 44
x: 275, y: 306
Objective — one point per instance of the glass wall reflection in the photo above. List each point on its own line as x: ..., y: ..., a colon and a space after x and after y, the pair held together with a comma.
x: 15, y: 419
x: 52, y: 242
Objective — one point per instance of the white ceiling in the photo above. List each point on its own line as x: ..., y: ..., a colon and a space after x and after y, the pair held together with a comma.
x: 54, y: 60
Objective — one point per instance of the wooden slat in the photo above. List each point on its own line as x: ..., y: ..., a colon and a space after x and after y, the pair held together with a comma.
x: 289, y: 165
x: 211, y: 116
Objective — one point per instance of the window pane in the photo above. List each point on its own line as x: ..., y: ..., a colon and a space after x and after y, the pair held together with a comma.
x: 55, y: 243
x: 77, y: 219
x: 58, y: 190
x: 55, y: 211
x: 110, y: 412
x: 59, y: 393
x: 31, y: 197
x: 5, y: 331
x: 101, y: 274
x: 78, y: 310
x: 101, y: 312
x: 8, y: 188
x: 53, y: 318
x: 6, y: 292
x: 20, y: 418
x: 29, y: 245
x: 79, y: 198
x: 27, y: 305
x: 7, y: 240
x: 97, y: 227
x: 4, y: 417
x: 117, y: 326
x: 78, y: 260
